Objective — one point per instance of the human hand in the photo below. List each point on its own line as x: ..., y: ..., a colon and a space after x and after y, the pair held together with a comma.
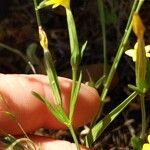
x: 32, y: 114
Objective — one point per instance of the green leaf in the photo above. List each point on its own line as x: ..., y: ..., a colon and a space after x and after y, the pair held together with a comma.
x: 74, y: 96
x: 56, y: 111
x: 137, y: 89
x: 52, y: 76
x: 73, y: 39
x: 31, y: 54
x: 99, y: 82
x: 83, y: 48
x: 137, y: 143
x: 9, y: 139
x: 97, y: 130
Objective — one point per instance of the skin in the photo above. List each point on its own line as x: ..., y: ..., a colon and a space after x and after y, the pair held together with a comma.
x: 32, y: 114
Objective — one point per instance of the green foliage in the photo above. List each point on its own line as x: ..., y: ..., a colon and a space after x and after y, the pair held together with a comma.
x: 9, y: 139
x: 137, y: 143
x: 97, y: 130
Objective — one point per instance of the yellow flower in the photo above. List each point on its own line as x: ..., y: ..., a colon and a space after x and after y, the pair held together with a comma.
x: 55, y: 3
x: 146, y: 146
x: 132, y: 52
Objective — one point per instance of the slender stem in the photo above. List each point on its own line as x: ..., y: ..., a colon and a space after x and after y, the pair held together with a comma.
x: 119, y: 52
x: 75, y: 60
x: 37, y: 13
x: 102, y: 19
x: 74, y: 136
x: 139, y: 5
x: 74, y: 79
x: 132, y: 12
x: 98, y: 129
x: 115, y: 63
x: 143, y: 112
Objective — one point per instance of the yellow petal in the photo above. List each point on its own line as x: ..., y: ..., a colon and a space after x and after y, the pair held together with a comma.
x: 147, y: 54
x: 146, y: 146
x: 148, y: 138
x: 136, y: 45
x: 131, y: 53
x: 138, y: 26
x: 147, y: 48
x: 56, y: 3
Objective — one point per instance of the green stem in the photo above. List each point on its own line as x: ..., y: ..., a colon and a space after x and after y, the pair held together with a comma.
x: 102, y: 19
x: 37, y: 13
x: 139, y: 5
x: 120, y: 51
x: 98, y: 129
x: 74, y: 136
x: 74, y: 80
x: 132, y: 12
x: 75, y: 60
x: 143, y: 112
x: 116, y: 62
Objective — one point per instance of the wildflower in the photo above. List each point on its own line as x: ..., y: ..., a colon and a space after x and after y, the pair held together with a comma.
x: 132, y: 52
x: 55, y: 3
x: 146, y: 146
x: 139, y: 53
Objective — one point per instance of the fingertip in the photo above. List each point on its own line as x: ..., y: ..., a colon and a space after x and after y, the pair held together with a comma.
x: 87, y: 106
x: 51, y: 144
x: 29, y: 109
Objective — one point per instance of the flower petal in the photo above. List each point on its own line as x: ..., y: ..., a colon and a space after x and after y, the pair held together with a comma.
x: 131, y: 53
x: 55, y: 3
x: 146, y: 146
x: 148, y: 138
x: 147, y: 54
x: 147, y: 48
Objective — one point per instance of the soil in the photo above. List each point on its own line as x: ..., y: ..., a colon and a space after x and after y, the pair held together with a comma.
x: 18, y: 29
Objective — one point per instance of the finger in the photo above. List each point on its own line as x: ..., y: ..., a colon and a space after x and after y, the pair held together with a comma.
x: 51, y: 144
x: 32, y: 113
x: 46, y: 143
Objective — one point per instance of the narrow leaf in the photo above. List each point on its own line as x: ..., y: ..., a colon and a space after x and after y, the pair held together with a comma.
x: 9, y: 139
x: 83, y: 48
x: 100, y: 81
x: 74, y: 97
x: 97, y: 130
x: 55, y: 111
